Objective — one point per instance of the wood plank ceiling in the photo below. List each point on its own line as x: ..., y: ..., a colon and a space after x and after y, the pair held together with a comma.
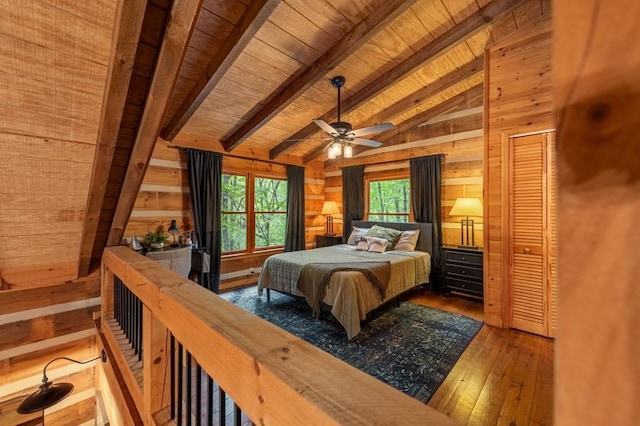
x: 233, y: 76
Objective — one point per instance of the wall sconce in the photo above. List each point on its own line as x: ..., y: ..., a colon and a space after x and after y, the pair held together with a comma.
x: 50, y: 393
x: 329, y: 208
x: 466, y: 207
x: 173, y: 230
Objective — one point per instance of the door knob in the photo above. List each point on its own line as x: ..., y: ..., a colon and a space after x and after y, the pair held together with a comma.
x: 526, y: 250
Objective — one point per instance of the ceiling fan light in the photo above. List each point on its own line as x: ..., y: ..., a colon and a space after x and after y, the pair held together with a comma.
x: 348, y: 151
x: 337, y: 148
x: 332, y: 153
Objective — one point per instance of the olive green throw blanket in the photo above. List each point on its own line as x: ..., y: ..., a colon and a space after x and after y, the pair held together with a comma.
x: 315, y: 277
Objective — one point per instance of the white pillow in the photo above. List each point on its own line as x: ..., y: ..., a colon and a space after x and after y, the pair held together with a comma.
x: 377, y: 245
x: 356, y: 234
x: 408, y: 240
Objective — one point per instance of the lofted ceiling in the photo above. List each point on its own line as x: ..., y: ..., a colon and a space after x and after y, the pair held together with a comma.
x: 88, y: 87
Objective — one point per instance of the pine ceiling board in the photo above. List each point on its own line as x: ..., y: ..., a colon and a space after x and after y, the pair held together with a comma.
x: 527, y: 13
x: 286, y: 43
x: 411, y: 29
x: 261, y: 51
x: 324, y: 16
x: 391, y: 44
x: 483, y: 3
x: 460, y: 9
x: 263, y: 71
x: 230, y: 10
x: 214, y: 26
x: 479, y: 42
x: 503, y: 27
x: 154, y: 23
x: 41, y: 175
x: 254, y: 82
x: 353, y: 10
x: 301, y: 25
x: 434, y: 16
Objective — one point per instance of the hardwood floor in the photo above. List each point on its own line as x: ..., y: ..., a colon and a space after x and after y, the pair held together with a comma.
x: 504, y: 377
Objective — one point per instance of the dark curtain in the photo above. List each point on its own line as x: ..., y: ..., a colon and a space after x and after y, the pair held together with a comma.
x: 294, y: 235
x: 205, y: 176
x: 426, y: 192
x: 352, y: 197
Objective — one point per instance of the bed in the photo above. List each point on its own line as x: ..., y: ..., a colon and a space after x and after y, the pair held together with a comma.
x: 349, y: 280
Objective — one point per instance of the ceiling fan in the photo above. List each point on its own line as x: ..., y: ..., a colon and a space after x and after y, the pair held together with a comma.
x: 342, y: 133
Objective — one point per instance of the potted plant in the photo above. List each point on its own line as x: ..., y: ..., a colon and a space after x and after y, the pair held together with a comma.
x: 156, y: 239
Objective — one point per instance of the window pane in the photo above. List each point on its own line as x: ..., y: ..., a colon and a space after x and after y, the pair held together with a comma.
x: 270, y: 229
x: 270, y: 196
x: 388, y: 196
x: 234, y: 189
x: 234, y: 232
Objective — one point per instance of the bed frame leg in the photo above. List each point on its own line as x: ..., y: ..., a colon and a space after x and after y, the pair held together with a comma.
x: 268, y: 295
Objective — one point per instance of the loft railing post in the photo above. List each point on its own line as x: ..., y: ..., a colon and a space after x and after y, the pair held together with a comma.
x: 106, y: 292
x: 156, y: 372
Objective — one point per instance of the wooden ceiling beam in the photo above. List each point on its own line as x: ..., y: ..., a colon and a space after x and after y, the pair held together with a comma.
x: 252, y: 19
x: 457, y: 76
x: 471, y: 25
x: 123, y: 53
x: 394, y: 136
x: 178, y: 31
x: 384, y: 13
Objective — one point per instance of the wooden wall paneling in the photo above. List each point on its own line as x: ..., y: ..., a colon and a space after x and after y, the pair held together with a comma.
x: 518, y: 104
x: 597, y: 96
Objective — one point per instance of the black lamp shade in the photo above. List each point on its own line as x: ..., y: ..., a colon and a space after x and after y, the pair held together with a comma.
x: 173, y: 228
x: 48, y: 395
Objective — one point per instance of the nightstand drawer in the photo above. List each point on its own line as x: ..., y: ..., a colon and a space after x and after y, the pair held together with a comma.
x: 464, y: 286
x: 328, y: 240
x: 463, y: 272
x: 464, y: 257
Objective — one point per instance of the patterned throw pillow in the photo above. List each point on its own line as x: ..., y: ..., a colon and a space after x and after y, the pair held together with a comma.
x: 391, y: 235
x: 377, y: 245
x: 363, y: 244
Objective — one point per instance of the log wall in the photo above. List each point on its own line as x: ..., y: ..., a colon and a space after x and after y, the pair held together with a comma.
x: 518, y: 100
x: 38, y: 324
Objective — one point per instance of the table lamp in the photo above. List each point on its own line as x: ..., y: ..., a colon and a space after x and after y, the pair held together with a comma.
x: 329, y: 208
x: 466, y: 207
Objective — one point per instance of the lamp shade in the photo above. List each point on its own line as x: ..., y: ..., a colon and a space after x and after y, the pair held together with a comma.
x: 173, y: 228
x: 466, y: 207
x: 330, y: 207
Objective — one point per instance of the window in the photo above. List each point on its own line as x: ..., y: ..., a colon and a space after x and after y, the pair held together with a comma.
x: 254, y: 213
x: 389, y: 200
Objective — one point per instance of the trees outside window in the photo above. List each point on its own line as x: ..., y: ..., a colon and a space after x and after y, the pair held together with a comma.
x: 254, y: 213
x: 388, y: 200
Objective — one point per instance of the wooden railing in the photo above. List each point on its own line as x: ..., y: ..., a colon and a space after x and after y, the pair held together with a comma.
x: 273, y: 376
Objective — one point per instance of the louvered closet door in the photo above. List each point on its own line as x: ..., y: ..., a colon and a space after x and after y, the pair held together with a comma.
x: 531, y: 294
x: 552, y: 238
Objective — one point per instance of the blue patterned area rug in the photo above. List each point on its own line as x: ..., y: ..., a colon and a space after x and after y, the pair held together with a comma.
x: 410, y: 347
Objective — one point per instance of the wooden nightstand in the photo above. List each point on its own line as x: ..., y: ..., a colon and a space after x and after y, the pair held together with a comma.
x: 328, y: 240
x: 462, y: 271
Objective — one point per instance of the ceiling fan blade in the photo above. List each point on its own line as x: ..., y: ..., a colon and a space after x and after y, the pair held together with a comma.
x: 326, y: 127
x: 371, y: 129
x: 365, y: 142
x: 328, y: 138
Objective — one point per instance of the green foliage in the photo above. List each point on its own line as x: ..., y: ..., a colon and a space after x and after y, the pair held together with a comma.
x: 155, y: 237
x: 389, y: 200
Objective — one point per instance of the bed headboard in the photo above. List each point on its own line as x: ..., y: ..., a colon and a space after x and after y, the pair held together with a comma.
x: 425, y: 239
